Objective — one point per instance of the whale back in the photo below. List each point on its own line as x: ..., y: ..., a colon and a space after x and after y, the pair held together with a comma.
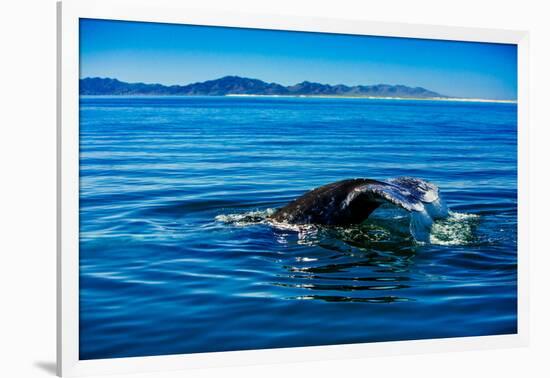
x: 324, y: 205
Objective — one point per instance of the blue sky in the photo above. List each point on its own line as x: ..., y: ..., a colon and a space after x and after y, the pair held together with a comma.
x: 182, y: 54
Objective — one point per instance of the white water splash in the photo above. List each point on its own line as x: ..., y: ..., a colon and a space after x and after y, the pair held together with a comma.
x: 456, y: 229
x: 246, y: 218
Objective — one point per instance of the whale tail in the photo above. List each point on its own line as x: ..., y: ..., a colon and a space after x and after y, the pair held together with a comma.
x: 420, y: 198
x: 352, y: 201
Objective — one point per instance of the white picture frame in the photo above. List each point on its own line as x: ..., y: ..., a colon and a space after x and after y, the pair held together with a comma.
x: 69, y: 13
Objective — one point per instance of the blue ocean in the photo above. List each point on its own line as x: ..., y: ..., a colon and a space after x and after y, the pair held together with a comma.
x: 177, y: 254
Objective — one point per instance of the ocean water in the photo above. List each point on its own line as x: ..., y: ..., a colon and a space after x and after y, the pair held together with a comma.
x: 177, y: 256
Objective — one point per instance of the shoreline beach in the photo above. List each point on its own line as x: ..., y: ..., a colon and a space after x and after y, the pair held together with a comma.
x: 450, y: 99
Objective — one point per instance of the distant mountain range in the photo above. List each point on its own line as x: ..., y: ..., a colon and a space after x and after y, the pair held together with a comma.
x: 235, y: 85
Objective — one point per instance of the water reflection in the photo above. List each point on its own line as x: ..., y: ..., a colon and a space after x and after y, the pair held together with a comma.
x: 342, y: 260
x: 335, y: 298
x: 347, y: 264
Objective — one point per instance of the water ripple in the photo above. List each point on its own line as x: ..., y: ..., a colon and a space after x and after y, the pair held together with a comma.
x: 177, y: 256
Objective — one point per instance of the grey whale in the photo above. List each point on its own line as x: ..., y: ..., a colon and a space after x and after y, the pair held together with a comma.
x: 351, y: 201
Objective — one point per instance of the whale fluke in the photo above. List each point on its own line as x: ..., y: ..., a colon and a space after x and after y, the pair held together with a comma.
x: 351, y: 201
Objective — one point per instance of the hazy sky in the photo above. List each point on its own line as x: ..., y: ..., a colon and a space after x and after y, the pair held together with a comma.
x: 182, y: 54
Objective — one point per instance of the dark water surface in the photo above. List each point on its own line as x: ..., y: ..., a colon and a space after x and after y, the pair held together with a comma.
x: 176, y: 255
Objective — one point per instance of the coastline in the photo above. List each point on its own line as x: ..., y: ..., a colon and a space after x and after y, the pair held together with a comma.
x: 450, y: 99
